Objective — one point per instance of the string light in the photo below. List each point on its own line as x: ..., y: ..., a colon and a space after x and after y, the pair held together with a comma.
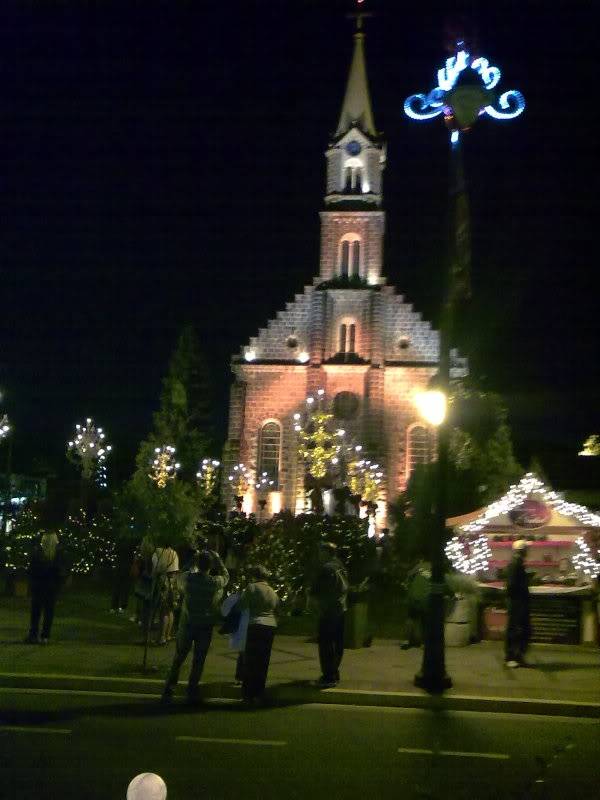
x: 584, y: 560
x: 89, y: 450
x: 518, y: 493
x: 469, y: 554
x: 164, y: 467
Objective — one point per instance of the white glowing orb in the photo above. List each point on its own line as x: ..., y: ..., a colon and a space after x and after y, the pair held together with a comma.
x: 250, y: 355
x: 303, y: 357
x: 147, y: 786
x: 432, y: 406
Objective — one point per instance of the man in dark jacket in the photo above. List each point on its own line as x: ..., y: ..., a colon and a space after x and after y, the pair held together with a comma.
x: 330, y: 591
x: 202, y: 592
x: 518, y: 629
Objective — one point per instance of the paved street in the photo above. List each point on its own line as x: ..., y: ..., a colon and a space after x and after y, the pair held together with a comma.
x: 71, y: 744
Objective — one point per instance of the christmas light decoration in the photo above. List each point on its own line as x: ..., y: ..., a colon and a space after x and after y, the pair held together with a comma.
x: 441, y: 100
x: 89, y: 451
x: 240, y: 480
x: 208, y: 476
x: 518, y: 493
x: 4, y: 427
x: 317, y: 443
x: 585, y: 560
x: 164, y: 467
x: 469, y: 554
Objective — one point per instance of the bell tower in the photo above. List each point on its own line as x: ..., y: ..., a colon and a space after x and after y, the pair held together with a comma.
x: 352, y: 224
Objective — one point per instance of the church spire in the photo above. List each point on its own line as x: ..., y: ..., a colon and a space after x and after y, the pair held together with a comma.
x: 356, y: 108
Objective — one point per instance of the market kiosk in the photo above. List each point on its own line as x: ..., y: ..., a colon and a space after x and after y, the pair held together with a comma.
x: 563, y: 559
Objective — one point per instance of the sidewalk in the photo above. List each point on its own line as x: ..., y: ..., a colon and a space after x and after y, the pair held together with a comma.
x: 99, y: 652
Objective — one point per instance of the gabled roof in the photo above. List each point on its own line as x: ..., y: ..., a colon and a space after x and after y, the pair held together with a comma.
x: 530, y: 486
x: 356, y: 108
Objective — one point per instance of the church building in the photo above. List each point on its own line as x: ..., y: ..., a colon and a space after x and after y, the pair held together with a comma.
x: 348, y: 333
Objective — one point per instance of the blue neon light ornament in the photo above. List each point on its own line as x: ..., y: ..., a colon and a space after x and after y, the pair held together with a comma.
x: 465, y: 92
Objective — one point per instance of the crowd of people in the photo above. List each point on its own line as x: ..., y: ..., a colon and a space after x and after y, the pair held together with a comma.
x: 186, y: 603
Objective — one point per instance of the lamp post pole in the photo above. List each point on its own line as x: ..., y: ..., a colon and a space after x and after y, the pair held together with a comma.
x: 465, y: 91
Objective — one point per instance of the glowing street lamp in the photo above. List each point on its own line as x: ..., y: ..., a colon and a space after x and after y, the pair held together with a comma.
x: 4, y: 427
x: 432, y: 406
x: 466, y: 90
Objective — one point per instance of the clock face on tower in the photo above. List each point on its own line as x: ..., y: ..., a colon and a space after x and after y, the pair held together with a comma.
x: 353, y: 148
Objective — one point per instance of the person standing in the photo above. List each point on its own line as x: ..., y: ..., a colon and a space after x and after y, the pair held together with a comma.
x: 165, y: 566
x: 518, y: 629
x: 261, y: 602
x: 236, y: 626
x: 330, y: 592
x: 202, y: 594
x: 45, y: 576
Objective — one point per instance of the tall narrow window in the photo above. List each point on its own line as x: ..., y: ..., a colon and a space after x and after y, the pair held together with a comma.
x: 347, y: 338
x: 355, y: 258
x: 351, y: 339
x: 269, y: 450
x: 417, y: 447
x: 348, y: 179
x: 357, y: 182
x: 345, y: 261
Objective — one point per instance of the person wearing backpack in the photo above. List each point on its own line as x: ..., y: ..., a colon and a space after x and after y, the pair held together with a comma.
x: 330, y: 592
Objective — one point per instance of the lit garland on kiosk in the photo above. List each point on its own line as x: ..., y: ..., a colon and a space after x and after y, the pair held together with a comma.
x: 469, y: 554
x: 583, y: 559
x: 518, y: 493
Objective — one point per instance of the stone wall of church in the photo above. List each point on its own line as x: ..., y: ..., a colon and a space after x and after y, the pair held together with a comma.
x: 400, y: 384
x: 273, y: 392
x: 369, y: 226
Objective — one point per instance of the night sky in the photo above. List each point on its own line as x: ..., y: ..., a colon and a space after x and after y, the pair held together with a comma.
x: 163, y: 163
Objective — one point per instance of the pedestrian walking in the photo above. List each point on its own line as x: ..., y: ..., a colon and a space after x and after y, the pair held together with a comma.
x: 165, y: 566
x: 330, y: 593
x: 236, y: 626
x: 261, y: 601
x: 45, y: 577
x: 518, y: 629
x: 202, y: 594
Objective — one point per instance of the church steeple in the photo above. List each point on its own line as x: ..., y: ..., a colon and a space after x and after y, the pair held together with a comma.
x: 356, y: 108
x: 356, y: 156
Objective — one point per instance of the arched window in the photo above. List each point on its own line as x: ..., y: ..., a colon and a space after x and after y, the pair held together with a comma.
x: 353, y: 176
x: 418, y: 447
x: 269, y: 449
x: 350, y: 255
x: 347, y: 337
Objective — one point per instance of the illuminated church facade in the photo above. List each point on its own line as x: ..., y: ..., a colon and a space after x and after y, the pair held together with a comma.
x: 348, y: 333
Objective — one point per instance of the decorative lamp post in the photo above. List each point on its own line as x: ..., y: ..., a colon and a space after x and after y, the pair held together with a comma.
x: 208, y: 476
x: 466, y: 90
x: 239, y: 480
x: 88, y: 449
x: 318, y: 444
x: 4, y: 427
x: 164, y: 467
